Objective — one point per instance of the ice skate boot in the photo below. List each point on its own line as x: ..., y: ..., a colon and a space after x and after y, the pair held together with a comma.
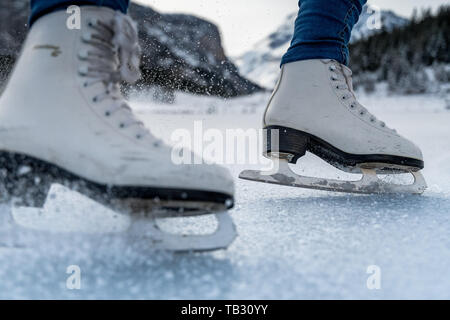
x: 314, y: 109
x: 64, y: 122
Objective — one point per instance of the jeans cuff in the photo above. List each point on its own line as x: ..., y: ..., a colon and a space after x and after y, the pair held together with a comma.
x: 310, y: 51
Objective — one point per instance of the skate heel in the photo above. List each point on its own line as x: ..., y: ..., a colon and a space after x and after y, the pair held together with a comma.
x: 285, y: 143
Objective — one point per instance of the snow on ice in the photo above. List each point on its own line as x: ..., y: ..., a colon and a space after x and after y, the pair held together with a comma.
x: 292, y: 244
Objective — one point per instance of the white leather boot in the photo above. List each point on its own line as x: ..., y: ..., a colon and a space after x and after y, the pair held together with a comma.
x: 314, y: 108
x: 63, y: 120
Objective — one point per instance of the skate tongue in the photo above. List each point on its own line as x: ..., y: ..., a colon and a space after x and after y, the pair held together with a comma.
x: 68, y: 211
x: 348, y: 77
x: 126, y: 41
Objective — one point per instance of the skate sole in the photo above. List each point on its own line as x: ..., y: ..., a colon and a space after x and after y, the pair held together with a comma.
x: 26, y: 181
x: 293, y: 145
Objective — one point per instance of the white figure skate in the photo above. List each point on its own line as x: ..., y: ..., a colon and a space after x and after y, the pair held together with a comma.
x: 314, y: 108
x: 64, y: 121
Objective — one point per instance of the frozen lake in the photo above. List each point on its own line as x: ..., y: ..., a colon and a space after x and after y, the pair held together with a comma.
x: 292, y: 244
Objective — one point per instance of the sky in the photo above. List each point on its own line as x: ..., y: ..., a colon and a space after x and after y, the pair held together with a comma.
x: 244, y: 22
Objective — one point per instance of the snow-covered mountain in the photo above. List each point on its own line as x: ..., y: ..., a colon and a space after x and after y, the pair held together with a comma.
x: 180, y: 52
x: 261, y: 64
x: 372, y: 20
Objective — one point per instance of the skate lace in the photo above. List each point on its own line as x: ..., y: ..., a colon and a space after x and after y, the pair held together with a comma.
x: 113, y: 56
x: 341, y: 76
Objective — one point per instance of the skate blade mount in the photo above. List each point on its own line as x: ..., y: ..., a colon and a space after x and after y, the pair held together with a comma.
x: 69, y: 212
x: 369, y: 183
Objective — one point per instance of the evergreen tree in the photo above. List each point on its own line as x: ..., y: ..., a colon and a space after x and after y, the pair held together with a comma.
x: 401, y: 56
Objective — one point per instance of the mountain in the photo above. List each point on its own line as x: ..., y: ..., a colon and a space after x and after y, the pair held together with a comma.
x: 373, y: 21
x: 180, y: 52
x: 261, y: 64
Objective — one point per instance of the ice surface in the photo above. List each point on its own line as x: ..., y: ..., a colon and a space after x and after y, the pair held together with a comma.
x: 292, y: 244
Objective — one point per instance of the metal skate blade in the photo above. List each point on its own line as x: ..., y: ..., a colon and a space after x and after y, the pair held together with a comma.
x: 169, y: 208
x: 221, y: 238
x: 69, y: 212
x: 369, y: 183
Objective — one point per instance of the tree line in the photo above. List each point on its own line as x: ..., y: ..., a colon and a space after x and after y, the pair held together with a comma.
x: 411, y: 59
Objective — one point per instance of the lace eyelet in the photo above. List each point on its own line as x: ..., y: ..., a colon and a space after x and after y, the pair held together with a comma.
x: 107, y: 113
x: 138, y: 136
x: 352, y: 106
x: 85, y: 84
x: 372, y: 120
x: 83, y: 55
x: 362, y: 113
x: 92, y: 22
x: 86, y: 37
x: 83, y: 71
x: 94, y: 99
x: 156, y: 144
x: 343, y: 98
x: 122, y: 125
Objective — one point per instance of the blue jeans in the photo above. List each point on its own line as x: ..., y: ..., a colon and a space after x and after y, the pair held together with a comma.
x: 41, y: 7
x: 322, y: 30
